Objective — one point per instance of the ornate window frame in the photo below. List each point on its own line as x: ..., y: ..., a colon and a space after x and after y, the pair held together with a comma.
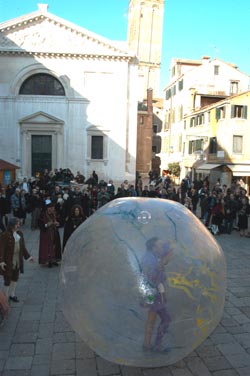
x: 33, y: 85
x: 33, y: 69
x: 94, y: 130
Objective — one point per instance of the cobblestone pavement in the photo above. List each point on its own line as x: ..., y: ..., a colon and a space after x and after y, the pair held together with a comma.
x: 37, y: 341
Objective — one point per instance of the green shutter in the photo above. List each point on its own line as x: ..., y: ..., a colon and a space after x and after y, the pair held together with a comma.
x: 232, y: 111
x: 217, y: 114
x: 190, y: 147
x: 215, y: 145
x: 244, y: 113
x: 180, y: 85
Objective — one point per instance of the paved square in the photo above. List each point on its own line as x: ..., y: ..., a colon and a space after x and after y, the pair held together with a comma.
x: 37, y: 340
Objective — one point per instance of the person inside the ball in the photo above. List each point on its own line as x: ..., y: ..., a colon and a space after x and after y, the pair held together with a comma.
x: 158, y: 254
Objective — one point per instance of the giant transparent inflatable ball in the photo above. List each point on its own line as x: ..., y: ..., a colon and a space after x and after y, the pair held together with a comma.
x: 143, y: 282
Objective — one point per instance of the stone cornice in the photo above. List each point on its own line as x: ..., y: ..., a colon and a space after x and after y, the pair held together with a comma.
x: 67, y: 55
x: 149, y: 64
x: 43, y: 98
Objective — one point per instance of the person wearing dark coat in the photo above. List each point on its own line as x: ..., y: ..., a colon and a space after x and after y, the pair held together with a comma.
x: 3, y: 210
x: 35, y: 206
x: 76, y: 218
x: 152, y: 192
x: 230, y: 210
x: 12, y: 253
x: 50, y: 243
x: 243, y: 213
x: 78, y: 197
x: 194, y: 198
x: 95, y: 177
x: 145, y: 192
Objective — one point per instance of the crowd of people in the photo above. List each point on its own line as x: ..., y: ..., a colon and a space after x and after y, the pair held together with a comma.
x: 60, y: 199
x: 221, y: 208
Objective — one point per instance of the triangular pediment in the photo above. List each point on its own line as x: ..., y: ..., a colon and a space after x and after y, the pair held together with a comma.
x: 96, y: 128
x: 43, y: 32
x: 40, y: 118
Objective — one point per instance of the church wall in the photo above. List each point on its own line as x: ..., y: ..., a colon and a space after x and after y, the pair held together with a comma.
x: 97, y: 94
x: 9, y: 135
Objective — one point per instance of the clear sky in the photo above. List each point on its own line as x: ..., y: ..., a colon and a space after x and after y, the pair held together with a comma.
x: 192, y: 28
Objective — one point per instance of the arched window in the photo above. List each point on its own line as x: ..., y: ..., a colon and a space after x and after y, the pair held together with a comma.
x: 42, y: 84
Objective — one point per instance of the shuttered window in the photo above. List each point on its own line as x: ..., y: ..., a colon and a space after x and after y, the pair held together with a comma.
x: 220, y: 113
x: 238, y: 111
x: 213, y: 145
x: 237, y: 144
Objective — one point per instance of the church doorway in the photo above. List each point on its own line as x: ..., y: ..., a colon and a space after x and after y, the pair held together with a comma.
x: 41, y: 153
x: 41, y: 143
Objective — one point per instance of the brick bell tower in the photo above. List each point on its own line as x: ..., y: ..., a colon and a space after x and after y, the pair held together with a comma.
x: 145, y: 27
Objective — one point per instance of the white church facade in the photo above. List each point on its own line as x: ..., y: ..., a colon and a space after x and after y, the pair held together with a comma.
x: 68, y: 98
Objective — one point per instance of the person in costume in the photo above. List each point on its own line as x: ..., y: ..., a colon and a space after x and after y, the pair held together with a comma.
x: 49, y: 243
x: 12, y: 253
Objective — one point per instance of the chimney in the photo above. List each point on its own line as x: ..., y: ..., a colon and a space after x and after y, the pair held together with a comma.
x: 205, y: 59
x: 150, y: 100
x: 192, y: 99
x: 43, y: 7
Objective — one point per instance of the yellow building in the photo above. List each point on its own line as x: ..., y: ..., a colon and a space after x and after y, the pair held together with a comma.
x: 217, y: 140
x: 193, y: 85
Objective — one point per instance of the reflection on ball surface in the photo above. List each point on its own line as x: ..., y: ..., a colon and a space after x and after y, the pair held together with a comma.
x: 143, y: 282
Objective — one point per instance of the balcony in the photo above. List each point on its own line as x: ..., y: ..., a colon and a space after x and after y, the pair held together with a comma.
x: 210, y: 90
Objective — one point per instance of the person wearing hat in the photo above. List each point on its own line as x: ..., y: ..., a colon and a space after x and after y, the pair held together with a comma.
x: 12, y: 253
x: 157, y: 256
x: 50, y: 243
